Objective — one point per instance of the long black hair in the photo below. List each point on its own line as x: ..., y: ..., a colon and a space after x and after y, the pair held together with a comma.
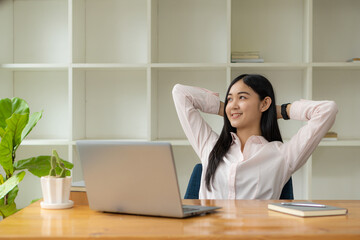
x: 268, y: 123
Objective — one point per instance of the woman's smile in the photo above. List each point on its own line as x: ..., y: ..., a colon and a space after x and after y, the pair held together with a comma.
x: 235, y: 115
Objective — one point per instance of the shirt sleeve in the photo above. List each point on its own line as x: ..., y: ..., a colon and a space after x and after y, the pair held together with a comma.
x: 188, y: 101
x: 320, y: 116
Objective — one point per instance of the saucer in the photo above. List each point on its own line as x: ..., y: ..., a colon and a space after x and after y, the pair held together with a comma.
x: 57, y: 205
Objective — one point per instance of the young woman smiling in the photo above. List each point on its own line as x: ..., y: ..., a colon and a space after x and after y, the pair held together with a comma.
x: 249, y: 160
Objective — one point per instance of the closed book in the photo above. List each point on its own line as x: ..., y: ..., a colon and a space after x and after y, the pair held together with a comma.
x: 260, y: 60
x: 356, y: 59
x: 303, y: 211
x: 330, y: 136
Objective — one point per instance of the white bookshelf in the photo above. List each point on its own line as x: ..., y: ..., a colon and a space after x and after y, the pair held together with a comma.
x: 105, y: 70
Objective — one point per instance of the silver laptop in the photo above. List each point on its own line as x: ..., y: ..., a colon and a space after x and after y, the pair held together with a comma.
x: 133, y: 178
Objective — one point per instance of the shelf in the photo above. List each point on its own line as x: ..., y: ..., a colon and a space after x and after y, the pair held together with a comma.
x: 106, y: 66
x: 184, y: 66
x: 104, y: 70
x: 337, y: 65
x: 33, y: 66
x: 175, y: 142
x: 46, y: 142
x: 108, y: 139
x: 340, y: 143
x: 273, y: 65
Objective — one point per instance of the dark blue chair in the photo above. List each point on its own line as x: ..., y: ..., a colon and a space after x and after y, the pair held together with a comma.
x: 192, y: 191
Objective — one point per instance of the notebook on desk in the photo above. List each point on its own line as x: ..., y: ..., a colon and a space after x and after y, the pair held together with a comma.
x: 133, y: 178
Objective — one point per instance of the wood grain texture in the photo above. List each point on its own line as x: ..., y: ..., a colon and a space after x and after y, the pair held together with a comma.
x: 240, y: 219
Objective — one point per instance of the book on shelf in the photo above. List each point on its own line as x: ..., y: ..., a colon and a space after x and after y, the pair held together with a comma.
x: 243, y: 57
x: 260, y: 60
x: 356, y: 59
x: 311, y: 210
x: 330, y: 136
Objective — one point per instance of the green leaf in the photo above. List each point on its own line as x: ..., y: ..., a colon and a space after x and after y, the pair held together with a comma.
x: 12, y: 194
x: 40, y: 166
x: 6, y: 149
x: 2, y: 132
x: 34, y: 118
x: 7, y: 210
x: 35, y: 200
x: 10, y: 106
x: 9, y: 184
x: 16, y: 123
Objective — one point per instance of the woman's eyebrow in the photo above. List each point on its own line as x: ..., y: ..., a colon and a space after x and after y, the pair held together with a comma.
x: 230, y: 94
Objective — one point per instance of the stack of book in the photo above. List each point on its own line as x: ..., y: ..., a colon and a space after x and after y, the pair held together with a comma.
x: 356, y: 59
x: 331, y: 136
x: 246, y: 57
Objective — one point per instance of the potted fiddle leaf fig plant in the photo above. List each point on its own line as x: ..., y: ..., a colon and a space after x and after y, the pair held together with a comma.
x: 15, y: 124
x: 56, y: 186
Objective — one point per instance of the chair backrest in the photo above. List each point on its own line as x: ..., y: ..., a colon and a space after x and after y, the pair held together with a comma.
x: 192, y: 191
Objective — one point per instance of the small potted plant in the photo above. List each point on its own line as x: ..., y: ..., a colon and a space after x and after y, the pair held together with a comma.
x: 56, y: 187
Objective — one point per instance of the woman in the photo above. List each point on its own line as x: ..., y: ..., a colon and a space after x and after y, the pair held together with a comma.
x: 249, y: 160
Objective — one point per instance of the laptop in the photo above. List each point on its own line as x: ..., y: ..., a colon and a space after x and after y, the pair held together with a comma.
x: 133, y: 178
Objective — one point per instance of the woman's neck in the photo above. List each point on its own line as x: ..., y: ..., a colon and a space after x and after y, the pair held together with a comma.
x: 245, y: 134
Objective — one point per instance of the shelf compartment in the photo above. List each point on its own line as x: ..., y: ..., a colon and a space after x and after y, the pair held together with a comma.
x: 47, y: 91
x: 7, y: 32
x: 163, y: 110
x: 336, y: 32
x: 7, y: 86
x: 111, y: 31
x: 40, y: 31
x: 341, y: 86
x: 288, y: 85
x: 274, y: 28
x: 335, y: 171
x: 189, y: 31
x: 110, y: 104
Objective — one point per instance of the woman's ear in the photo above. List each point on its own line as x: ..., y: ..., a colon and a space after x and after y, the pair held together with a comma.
x: 265, y: 104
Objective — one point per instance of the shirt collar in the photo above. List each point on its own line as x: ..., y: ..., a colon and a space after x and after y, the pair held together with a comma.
x: 252, y: 139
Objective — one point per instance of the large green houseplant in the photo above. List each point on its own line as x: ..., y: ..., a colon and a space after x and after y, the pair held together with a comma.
x: 15, y: 124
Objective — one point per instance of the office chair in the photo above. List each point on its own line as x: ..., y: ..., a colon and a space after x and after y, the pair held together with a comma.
x: 192, y: 191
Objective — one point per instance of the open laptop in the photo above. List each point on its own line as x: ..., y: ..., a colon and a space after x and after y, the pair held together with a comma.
x: 133, y: 178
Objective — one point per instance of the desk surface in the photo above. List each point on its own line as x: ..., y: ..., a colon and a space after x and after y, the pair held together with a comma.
x: 240, y: 219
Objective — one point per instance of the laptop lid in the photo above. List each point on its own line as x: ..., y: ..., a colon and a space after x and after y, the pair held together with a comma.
x: 130, y: 177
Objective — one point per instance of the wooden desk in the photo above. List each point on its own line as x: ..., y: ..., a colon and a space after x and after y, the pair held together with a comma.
x: 241, y: 219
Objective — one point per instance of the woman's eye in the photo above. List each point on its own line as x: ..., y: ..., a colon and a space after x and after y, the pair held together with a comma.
x: 229, y: 99
x: 242, y: 97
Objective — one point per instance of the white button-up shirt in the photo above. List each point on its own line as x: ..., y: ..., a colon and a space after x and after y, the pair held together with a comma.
x: 263, y: 168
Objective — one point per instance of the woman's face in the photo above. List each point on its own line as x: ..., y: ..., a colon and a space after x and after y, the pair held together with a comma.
x: 244, y: 106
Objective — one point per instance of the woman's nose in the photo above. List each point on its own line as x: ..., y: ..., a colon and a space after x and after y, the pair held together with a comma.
x: 234, y: 105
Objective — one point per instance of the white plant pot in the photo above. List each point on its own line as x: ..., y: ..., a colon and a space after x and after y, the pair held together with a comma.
x: 56, y: 192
